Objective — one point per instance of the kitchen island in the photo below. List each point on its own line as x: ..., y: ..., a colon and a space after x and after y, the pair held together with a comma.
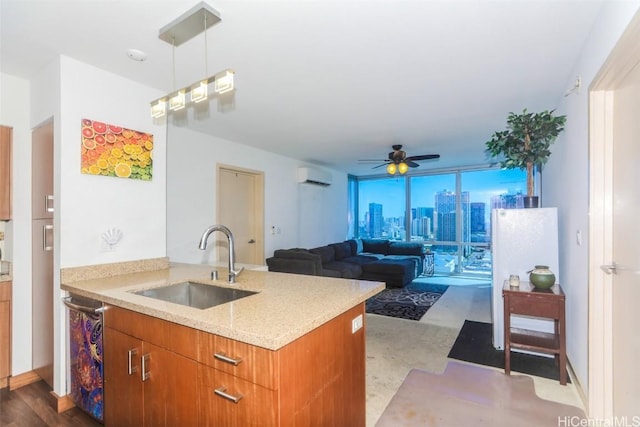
x: 293, y: 353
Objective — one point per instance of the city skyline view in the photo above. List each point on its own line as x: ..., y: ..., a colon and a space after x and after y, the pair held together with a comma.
x: 459, y: 239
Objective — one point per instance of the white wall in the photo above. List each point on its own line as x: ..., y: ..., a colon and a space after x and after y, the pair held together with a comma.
x: 90, y: 204
x: 14, y: 112
x: 305, y: 215
x: 566, y: 178
x: 67, y: 91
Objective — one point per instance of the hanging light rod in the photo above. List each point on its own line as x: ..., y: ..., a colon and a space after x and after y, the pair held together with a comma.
x: 191, y: 23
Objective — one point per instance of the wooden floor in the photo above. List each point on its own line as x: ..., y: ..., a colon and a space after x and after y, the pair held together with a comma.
x: 28, y: 407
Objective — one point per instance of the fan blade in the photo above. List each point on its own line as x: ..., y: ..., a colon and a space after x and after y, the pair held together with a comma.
x: 379, y: 166
x: 411, y: 164
x: 371, y: 161
x: 424, y: 157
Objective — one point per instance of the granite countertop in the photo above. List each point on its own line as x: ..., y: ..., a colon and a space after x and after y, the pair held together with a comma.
x: 285, y: 307
x: 5, y: 277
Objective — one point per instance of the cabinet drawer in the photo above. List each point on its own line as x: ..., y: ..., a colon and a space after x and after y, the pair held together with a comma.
x: 255, y: 364
x: 257, y: 406
x: 538, y: 307
x: 171, y: 336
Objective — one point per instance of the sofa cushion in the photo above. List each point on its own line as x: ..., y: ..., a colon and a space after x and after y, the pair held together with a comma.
x: 342, y: 250
x: 405, y: 248
x: 327, y: 254
x: 295, y: 265
x: 394, y: 272
x: 346, y: 269
x: 375, y: 246
x: 362, y: 259
x: 294, y: 253
x: 356, y: 246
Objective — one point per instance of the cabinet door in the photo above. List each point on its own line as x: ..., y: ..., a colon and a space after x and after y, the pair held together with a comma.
x: 123, y: 393
x: 42, y: 172
x: 5, y: 172
x: 42, y: 298
x: 170, y: 391
x: 255, y: 406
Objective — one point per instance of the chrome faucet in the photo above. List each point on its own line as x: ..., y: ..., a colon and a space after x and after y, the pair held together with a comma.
x: 233, y: 273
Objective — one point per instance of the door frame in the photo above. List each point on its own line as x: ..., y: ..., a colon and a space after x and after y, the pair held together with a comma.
x: 259, y: 203
x: 625, y: 55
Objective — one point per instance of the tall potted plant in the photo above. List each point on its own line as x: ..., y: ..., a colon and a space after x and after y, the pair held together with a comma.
x: 525, y: 144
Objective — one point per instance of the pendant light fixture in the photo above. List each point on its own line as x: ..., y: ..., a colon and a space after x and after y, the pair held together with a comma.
x: 193, y: 22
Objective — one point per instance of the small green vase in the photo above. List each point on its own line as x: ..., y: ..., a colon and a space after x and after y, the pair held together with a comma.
x: 541, y: 277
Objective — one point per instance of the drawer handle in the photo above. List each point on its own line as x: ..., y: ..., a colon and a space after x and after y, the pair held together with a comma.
x: 221, y: 391
x: 130, y: 368
x: 224, y: 358
x: 144, y: 374
x: 48, y: 198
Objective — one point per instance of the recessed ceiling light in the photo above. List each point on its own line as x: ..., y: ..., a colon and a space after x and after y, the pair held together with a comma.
x: 136, y: 55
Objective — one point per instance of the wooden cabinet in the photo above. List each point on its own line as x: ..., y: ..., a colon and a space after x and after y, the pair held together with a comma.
x: 318, y: 379
x: 42, y: 203
x: 5, y: 172
x: 5, y: 332
x: 147, y: 382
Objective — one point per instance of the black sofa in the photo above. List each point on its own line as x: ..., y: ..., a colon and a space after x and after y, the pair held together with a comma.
x: 395, y: 263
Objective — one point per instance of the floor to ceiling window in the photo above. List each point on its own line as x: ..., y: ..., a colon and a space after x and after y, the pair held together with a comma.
x: 448, y: 211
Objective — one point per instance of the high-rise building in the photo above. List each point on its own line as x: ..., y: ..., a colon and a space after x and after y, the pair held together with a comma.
x: 376, y: 221
x: 507, y: 201
x: 478, y: 217
x: 445, y: 212
x: 422, y: 222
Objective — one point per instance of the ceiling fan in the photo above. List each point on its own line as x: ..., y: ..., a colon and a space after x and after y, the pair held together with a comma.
x: 399, y: 162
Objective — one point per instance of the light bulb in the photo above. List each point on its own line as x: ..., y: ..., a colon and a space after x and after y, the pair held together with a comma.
x: 391, y: 168
x: 403, y: 168
x: 199, y: 91
x: 158, y: 108
x: 178, y: 101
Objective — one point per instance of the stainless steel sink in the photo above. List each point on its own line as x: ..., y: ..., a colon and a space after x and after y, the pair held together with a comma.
x: 195, y: 295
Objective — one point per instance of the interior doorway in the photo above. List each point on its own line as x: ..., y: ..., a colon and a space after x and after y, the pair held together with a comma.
x: 614, y: 374
x: 240, y: 207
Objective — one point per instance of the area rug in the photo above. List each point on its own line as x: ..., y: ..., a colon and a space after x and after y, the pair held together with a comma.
x: 474, y: 344
x: 467, y: 395
x: 406, y: 303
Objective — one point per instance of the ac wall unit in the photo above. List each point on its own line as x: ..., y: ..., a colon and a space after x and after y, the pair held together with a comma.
x: 314, y: 176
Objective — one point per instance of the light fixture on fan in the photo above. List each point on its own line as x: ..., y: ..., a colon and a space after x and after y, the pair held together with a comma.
x: 195, y: 21
x: 401, y: 167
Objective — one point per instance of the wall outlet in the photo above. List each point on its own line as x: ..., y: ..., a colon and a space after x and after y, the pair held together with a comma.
x: 357, y: 323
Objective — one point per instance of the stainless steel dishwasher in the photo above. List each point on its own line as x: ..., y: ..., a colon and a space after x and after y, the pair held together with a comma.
x: 85, y: 354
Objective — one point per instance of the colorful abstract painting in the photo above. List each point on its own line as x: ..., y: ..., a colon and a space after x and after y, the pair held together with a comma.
x: 111, y: 150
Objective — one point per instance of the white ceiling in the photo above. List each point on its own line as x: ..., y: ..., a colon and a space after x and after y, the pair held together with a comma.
x: 330, y: 82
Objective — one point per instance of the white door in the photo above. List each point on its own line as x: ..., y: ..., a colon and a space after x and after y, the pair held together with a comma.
x: 240, y: 208
x: 626, y: 252
x: 614, y: 285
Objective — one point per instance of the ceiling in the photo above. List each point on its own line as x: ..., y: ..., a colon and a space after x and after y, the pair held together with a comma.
x: 328, y: 81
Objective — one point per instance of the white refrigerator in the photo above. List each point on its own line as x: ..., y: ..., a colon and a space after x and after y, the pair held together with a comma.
x: 521, y: 239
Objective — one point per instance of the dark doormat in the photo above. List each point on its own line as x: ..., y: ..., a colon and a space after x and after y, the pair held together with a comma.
x: 474, y: 344
x: 405, y: 303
